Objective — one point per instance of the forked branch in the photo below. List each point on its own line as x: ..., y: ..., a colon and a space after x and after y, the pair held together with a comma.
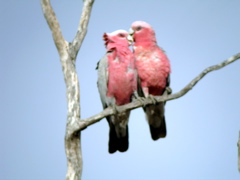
x: 68, y: 53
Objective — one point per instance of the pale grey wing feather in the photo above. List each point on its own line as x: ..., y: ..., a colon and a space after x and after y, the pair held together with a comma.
x: 102, y: 82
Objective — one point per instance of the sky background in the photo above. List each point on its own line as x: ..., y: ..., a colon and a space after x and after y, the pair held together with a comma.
x: 203, y: 126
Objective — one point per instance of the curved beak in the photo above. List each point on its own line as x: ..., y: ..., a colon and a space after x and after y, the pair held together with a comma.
x: 130, y: 36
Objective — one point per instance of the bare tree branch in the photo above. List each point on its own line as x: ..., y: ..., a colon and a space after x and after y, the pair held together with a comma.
x: 82, y: 124
x: 82, y: 28
x: 54, y: 26
x: 201, y: 75
x: 68, y: 53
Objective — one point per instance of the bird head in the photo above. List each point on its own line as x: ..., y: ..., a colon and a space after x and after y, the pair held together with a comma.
x: 118, y: 37
x: 141, y: 31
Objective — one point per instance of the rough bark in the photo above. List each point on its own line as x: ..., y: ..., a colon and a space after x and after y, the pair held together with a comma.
x: 68, y: 53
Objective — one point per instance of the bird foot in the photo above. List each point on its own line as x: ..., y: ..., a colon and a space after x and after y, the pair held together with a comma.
x: 168, y: 90
x: 115, y: 110
x: 142, y: 101
x: 138, y: 98
x: 153, y: 99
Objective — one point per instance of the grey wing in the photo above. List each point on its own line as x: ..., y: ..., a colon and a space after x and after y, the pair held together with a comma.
x: 102, y: 82
x: 103, y: 79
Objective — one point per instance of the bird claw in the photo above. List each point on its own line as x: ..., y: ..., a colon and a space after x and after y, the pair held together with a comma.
x: 142, y: 101
x: 115, y: 110
x: 153, y: 99
x: 135, y: 95
x: 168, y: 90
x: 138, y: 98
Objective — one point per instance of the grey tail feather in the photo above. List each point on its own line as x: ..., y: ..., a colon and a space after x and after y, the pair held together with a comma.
x: 123, y: 142
x: 117, y: 143
x: 156, y: 120
x: 159, y: 132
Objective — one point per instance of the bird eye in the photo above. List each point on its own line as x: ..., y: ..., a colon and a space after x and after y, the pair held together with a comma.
x: 138, y: 28
x: 121, y: 35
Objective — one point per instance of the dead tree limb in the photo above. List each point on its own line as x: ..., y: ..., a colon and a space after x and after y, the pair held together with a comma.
x: 68, y: 53
x: 82, y: 124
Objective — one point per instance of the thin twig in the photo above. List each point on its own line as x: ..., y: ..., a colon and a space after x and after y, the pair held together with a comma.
x: 82, y: 28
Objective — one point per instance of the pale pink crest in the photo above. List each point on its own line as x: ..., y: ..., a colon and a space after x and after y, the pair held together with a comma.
x: 116, y: 38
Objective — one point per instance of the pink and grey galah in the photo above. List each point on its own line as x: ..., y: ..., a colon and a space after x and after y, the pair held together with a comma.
x: 153, y: 68
x: 116, y: 85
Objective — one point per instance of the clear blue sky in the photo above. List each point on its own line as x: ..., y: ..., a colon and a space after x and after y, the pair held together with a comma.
x: 202, y: 126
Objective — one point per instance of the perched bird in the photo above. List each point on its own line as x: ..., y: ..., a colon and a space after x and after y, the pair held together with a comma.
x: 153, y: 69
x: 116, y: 85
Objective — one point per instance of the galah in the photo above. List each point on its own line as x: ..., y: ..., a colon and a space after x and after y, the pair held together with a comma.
x: 153, y: 68
x: 116, y: 85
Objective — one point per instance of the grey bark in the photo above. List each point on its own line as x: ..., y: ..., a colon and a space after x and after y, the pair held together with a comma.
x: 68, y: 53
